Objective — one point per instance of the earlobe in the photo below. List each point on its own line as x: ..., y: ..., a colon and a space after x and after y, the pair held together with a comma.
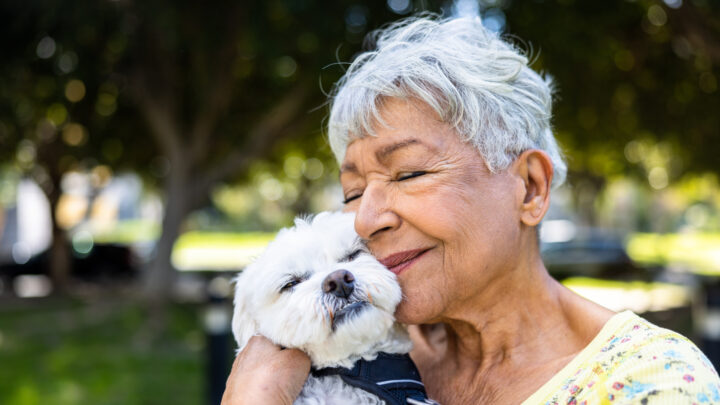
x: 537, y: 172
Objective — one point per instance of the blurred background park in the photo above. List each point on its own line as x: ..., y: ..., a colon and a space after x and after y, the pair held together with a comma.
x: 149, y: 149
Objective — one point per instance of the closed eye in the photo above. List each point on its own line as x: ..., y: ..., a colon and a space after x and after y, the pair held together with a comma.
x: 409, y: 175
x: 290, y: 284
x: 352, y: 256
x: 348, y: 199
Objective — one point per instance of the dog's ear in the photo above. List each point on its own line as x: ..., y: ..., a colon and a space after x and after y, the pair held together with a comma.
x: 243, y: 325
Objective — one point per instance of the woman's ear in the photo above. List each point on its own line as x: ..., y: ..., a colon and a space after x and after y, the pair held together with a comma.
x: 535, y: 168
x: 243, y: 325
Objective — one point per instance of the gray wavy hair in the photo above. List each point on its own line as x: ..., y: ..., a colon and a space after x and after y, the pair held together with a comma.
x: 475, y: 81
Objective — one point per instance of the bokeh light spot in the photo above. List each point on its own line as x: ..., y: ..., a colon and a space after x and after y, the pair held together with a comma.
x: 57, y: 114
x: 466, y: 8
x: 107, y: 99
x: 293, y: 167
x: 399, y: 6
x: 74, y: 134
x: 634, y: 151
x: 100, y: 176
x: 494, y: 20
x: 313, y: 169
x: 67, y: 62
x: 697, y: 215
x: 83, y: 242
x: 25, y: 153
x: 70, y: 210
x: 271, y: 189
x: 658, y: 178
x: 75, y: 90
x: 285, y: 66
x: 656, y: 15
x: 21, y: 253
x: 45, y: 48
x: 356, y: 19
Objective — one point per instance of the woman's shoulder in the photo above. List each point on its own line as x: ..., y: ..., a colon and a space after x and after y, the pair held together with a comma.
x: 643, y: 360
x: 637, y: 342
x: 632, y: 360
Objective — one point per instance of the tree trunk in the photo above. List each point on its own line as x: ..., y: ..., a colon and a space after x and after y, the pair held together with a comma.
x: 161, y: 276
x: 60, y: 259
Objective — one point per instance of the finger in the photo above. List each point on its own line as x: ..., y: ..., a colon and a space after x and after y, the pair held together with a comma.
x: 261, y: 343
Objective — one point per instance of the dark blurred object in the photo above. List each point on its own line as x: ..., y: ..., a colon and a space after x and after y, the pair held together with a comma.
x: 597, y: 256
x: 216, y: 319
x: 104, y: 263
x: 709, y: 320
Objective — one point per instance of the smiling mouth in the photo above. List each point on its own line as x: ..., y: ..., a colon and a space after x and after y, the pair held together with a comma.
x: 398, y: 262
x: 348, y: 312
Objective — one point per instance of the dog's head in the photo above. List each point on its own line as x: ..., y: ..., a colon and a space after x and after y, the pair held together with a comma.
x: 318, y: 289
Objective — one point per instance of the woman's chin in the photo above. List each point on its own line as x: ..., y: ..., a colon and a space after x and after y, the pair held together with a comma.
x: 410, y: 314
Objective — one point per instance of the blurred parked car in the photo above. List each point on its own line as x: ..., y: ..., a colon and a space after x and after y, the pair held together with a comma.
x: 595, y: 254
x: 101, y: 264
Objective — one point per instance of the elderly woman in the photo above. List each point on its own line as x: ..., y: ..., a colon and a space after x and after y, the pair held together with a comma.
x: 448, y: 159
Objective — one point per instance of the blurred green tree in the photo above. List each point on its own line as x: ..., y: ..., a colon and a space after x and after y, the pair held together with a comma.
x: 186, y: 93
x: 59, y: 107
x: 189, y: 94
x: 637, y: 86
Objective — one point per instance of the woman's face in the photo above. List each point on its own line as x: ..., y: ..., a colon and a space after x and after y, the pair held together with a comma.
x: 431, y: 211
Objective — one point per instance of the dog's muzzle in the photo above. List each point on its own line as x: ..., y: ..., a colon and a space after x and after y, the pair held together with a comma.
x: 347, y: 312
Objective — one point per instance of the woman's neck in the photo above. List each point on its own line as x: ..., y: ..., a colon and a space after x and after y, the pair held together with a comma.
x: 513, y: 321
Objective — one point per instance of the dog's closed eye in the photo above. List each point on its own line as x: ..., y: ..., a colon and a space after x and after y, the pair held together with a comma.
x: 290, y: 285
x: 292, y: 281
x: 352, y: 256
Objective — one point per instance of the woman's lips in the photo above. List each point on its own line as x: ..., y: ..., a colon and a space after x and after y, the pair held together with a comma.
x: 398, y: 262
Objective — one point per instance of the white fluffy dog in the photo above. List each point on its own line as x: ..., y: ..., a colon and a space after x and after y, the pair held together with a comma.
x: 317, y: 288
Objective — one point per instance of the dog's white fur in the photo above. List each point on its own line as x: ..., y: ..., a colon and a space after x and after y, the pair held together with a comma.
x: 302, y: 316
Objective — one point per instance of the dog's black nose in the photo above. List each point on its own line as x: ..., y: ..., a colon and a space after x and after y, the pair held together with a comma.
x: 340, y: 283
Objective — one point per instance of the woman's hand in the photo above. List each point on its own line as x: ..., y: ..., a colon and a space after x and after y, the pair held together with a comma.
x: 263, y: 373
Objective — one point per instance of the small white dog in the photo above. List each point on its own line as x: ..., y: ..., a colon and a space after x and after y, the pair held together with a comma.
x: 317, y: 288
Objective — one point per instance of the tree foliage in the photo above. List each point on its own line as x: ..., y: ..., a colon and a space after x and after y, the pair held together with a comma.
x: 630, y: 71
x: 189, y: 94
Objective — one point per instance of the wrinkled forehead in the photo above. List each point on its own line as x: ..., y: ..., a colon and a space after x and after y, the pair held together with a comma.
x: 407, y: 131
x: 386, y: 113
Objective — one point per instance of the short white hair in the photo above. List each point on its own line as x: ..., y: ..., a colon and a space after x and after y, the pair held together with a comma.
x: 473, y: 79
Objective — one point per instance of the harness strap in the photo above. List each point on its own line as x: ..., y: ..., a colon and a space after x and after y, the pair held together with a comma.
x: 392, y: 377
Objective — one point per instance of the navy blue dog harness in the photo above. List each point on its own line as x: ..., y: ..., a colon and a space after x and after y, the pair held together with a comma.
x: 392, y: 377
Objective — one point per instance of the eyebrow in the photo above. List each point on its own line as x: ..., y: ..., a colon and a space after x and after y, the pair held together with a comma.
x: 382, y: 154
x: 348, y: 168
x: 385, y: 152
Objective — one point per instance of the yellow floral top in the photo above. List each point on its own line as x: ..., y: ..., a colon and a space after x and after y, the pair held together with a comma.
x: 632, y: 361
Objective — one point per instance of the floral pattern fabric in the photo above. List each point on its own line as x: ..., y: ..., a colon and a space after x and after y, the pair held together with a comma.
x: 632, y: 361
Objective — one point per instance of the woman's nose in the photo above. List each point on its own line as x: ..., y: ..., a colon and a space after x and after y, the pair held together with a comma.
x: 375, y: 213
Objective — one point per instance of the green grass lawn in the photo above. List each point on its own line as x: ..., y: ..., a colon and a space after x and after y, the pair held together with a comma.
x: 66, y: 352
x: 698, y: 252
